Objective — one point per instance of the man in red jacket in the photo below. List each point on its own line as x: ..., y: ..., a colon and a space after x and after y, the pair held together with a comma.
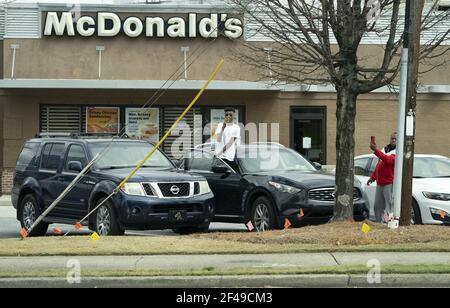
x: 384, y: 176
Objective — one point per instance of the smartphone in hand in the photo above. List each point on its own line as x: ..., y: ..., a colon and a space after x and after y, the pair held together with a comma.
x: 372, y: 140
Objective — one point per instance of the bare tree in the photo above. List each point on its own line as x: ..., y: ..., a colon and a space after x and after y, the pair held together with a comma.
x: 317, y: 41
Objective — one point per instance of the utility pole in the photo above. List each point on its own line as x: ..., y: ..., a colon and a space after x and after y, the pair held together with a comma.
x: 413, y: 22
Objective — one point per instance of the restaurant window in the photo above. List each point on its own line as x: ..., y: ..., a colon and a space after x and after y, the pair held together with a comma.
x: 64, y: 119
x: 148, y: 123
x: 186, y: 135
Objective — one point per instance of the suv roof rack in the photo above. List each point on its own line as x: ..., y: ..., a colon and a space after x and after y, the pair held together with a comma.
x: 98, y: 135
x: 79, y: 135
x: 54, y: 135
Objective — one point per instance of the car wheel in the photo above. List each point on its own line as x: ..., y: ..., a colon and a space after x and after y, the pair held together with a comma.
x: 105, y: 220
x: 416, y: 217
x: 263, y: 216
x: 29, y: 213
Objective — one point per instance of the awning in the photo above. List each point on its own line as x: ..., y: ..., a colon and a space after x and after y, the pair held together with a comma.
x: 224, y: 85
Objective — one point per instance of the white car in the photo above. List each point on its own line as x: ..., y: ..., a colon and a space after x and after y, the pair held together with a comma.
x: 431, y: 187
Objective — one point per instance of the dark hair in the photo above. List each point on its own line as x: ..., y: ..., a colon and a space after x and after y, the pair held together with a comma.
x: 227, y: 109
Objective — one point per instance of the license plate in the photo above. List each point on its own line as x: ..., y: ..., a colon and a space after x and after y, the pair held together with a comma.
x: 177, y: 215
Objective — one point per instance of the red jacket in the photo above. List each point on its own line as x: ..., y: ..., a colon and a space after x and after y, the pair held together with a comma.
x: 384, y: 171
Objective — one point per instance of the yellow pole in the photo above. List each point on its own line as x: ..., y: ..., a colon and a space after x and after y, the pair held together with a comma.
x: 213, y: 75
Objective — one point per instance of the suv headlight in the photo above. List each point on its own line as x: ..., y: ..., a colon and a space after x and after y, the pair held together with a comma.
x: 204, y: 187
x: 436, y: 196
x: 133, y: 189
x: 285, y: 188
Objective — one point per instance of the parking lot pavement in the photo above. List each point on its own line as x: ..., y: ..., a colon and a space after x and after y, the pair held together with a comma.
x: 7, y: 212
x: 10, y: 227
x: 5, y: 200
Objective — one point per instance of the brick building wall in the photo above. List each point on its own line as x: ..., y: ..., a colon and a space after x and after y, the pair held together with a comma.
x: 6, y: 181
x: 2, y: 131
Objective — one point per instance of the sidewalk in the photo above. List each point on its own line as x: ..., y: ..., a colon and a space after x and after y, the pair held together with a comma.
x: 5, y: 200
x: 171, y: 263
x: 190, y: 262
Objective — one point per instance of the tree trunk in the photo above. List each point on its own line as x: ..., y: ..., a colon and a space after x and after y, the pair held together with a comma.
x: 345, y: 148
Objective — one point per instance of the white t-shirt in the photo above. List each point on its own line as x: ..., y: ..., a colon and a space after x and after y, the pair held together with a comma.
x: 230, y: 132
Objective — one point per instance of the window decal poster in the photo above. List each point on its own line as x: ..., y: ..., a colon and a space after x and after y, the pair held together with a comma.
x: 102, y: 120
x: 142, y: 123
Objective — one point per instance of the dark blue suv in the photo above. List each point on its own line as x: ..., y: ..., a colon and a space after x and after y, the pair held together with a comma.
x: 158, y: 196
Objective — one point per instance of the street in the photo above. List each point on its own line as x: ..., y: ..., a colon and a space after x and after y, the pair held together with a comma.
x: 10, y: 227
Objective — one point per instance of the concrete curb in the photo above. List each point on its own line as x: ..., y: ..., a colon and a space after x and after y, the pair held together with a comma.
x: 5, y: 200
x: 307, y: 281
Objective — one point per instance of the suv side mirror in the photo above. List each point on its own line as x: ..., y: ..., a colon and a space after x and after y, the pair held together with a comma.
x: 220, y: 169
x: 317, y: 165
x: 75, y: 166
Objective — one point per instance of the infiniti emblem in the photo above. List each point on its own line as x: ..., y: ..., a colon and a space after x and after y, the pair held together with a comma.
x: 175, y: 189
x: 333, y: 194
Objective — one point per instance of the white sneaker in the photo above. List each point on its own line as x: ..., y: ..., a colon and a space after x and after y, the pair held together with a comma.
x: 393, y: 224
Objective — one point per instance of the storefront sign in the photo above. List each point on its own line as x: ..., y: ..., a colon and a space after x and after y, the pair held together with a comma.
x: 142, y: 123
x: 109, y: 24
x: 102, y: 120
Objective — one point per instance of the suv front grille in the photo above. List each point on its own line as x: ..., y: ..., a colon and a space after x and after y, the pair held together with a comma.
x: 148, y: 189
x: 196, y: 188
x: 174, y: 189
x: 327, y: 194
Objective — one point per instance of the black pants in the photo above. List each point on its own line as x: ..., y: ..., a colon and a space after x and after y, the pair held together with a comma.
x: 233, y: 164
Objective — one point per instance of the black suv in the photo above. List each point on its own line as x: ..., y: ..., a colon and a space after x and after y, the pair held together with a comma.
x: 158, y: 196
x: 271, y: 183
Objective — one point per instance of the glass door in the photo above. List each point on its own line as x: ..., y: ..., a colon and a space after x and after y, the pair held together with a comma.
x: 308, y: 132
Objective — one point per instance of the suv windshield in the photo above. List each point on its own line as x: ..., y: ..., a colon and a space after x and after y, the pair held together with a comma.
x: 128, y: 154
x: 260, y: 159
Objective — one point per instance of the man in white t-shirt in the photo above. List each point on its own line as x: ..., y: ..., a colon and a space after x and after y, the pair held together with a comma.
x: 228, y: 136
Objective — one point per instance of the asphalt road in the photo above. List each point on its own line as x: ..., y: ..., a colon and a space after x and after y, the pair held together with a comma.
x: 10, y: 227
